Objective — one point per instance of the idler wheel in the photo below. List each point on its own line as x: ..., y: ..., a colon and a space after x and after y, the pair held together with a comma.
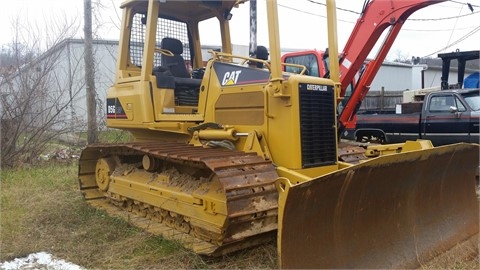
x: 103, y: 170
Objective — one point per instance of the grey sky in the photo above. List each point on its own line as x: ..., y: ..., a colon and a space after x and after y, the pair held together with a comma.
x: 302, y: 23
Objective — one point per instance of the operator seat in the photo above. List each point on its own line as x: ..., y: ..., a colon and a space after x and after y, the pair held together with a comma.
x: 186, y: 88
x: 175, y: 63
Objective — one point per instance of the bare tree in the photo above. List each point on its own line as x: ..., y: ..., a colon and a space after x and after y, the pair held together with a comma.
x: 401, y: 57
x: 36, y: 90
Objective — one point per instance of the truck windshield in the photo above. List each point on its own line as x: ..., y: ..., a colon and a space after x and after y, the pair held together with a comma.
x: 308, y: 60
x: 473, y: 100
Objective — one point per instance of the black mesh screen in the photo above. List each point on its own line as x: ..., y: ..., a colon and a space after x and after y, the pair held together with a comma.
x: 137, y: 39
x: 174, y: 29
x: 165, y: 28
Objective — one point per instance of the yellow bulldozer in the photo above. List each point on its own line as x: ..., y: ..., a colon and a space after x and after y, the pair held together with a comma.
x: 229, y: 155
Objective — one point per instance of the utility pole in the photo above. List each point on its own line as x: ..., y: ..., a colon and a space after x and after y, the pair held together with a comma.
x: 92, y: 131
x: 253, y: 29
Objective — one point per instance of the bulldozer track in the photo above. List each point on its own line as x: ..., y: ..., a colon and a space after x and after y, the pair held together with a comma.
x: 247, y: 181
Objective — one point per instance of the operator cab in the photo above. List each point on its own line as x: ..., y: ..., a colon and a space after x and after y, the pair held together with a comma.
x: 170, y: 56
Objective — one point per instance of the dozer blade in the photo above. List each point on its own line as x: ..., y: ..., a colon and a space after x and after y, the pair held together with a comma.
x: 395, y: 211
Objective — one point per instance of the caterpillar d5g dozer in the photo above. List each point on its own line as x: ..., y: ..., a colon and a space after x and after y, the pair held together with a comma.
x: 216, y: 146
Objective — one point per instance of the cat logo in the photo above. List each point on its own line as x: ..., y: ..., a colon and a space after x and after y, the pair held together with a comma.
x: 231, y: 77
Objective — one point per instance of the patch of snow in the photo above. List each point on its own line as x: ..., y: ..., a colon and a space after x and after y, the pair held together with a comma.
x: 39, y: 260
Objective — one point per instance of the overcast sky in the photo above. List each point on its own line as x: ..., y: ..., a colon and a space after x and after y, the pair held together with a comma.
x: 427, y: 32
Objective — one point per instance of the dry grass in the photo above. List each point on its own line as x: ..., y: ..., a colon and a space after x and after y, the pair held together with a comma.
x: 462, y: 256
x: 42, y: 210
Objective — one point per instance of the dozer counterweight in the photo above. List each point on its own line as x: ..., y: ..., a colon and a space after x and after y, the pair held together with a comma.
x: 216, y: 142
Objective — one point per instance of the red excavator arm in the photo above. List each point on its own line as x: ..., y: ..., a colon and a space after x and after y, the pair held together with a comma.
x: 374, y: 19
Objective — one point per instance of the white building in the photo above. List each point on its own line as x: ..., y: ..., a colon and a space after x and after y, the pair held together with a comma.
x: 394, y: 76
x: 50, y: 91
